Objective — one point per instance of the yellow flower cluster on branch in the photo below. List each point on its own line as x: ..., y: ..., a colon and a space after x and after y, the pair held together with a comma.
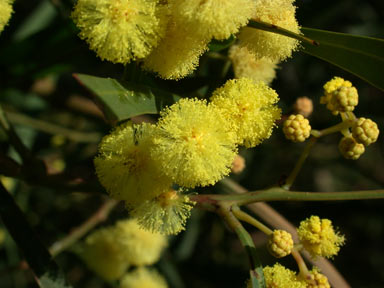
x: 193, y: 143
x: 143, y: 278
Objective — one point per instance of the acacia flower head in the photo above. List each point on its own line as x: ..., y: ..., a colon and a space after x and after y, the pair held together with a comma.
x: 143, y: 278
x: 121, y: 30
x: 139, y: 246
x: 339, y: 95
x: 124, y: 165
x: 213, y: 18
x: 280, y: 243
x: 194, y: 145
x: 165, y: 214
x: 267, y: 44
x: 281, y: 277
x: 319, y: 238
x: 318, y: 280
x: 249, y: 109
x: 178, y: 53
x: 5, y: 12
x: 103, y: 254
x: 245, y: 65
x: 365, y: 131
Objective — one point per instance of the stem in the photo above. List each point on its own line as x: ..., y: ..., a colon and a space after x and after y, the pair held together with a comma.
x: 299, y: 164
x: 53, y: 129
x: 241, y: 215
x: 99, y: 216
x: 333, y: 129
x: 280, y: 194
x: 304, y: 273
x: 279, y: 30
x: 256, y: 271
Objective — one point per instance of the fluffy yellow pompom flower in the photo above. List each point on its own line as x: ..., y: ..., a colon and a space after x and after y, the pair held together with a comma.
x: 143, y: 278
x: 249, y: 108
x: 319, y: 238
x: 245, y: 65
x: 103, y: 254
x: 5, y: 12
x: 165, y: 214
x: 177, y: 54
x: 213, y: 18
x: 281, y: 277
x: 120, y: 30
x: 267, y: 44
x: 194, y: 144
x: 318, y: 280
x: 140, y: 247
x: 124, y: 165
x: 338, y: 102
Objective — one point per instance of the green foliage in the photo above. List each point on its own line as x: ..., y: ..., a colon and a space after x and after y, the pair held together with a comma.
x: 362, y: 56
x: 122, y: 100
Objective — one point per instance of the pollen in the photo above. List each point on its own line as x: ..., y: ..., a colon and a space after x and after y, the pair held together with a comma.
x: 5, y: 13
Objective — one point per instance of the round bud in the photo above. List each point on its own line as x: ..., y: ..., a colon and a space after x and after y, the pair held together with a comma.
x: 280, y: 243
x: 365, y: 131
x: 296, y: 128
x: 343, y: 99
x: 318, y: 280
x: 238, y: 164
x: 303, y: 106
x: 350, y: 149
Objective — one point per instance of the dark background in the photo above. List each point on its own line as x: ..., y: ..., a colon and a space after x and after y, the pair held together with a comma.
x: 40, y: 42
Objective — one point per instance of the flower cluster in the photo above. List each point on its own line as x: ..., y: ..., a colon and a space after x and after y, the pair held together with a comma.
x: 194, y: 143
x: 168, y: 37
x: 341, y: 98
x: 110, y: 251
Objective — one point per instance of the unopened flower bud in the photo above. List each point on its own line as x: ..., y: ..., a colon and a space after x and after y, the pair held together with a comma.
x: 303, y: 106
x: 343, y: 99
x: 365, y: 131
x: 318, y: 280
x: 280, y: 243
x: 350, y: 149
x: 238, y: 164
x: 296, y: 128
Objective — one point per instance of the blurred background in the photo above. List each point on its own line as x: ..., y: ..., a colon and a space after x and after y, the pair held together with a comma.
x: 58, y: 120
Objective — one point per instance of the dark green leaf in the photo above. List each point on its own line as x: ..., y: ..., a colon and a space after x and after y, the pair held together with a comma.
x: 216, y: 45
x: 123, y: 100
x: 40, y: 261
x: 361, y: 56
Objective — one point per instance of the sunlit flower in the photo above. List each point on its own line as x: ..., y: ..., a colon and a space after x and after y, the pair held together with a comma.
x: 278, y: 276
x: 177, y: 54
x: 267, y: 44
x: 120, y: 30
x: 124, y: 165
x: 213, y: 18
x: 249, y: 109
x: 194, y: 145
x: 319, y: 238
x: 165, y: 214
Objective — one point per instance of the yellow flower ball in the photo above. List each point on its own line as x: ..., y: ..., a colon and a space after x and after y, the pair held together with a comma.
x: 318, y: 280
x: 165, y: 214
x: 245, y: 65
x: 124, y: 166
x: 267, y: 44
x: 350, y: 149
x: 339, y: 102
x: 177, y: 54
x: 143, y: 278
x: 5, y: 13
x: 213, y: 18
x: 296, y: 128
x: 139, y: 246
x: 319, y: 238
x: 194, y: 145
x: 365, y: 131
x: 280, y: 243
x: 249, y: 109
x: 281, y: 277
x: 121, y: 30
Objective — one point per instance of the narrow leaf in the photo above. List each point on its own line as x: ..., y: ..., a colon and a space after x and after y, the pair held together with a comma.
x: 123, y: 100
x: 361, y: 56
x: 40, y: 261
